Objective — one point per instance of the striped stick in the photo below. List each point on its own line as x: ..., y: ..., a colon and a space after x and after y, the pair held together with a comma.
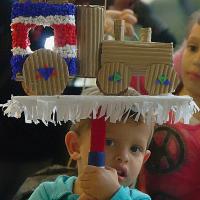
x: 98, y: 134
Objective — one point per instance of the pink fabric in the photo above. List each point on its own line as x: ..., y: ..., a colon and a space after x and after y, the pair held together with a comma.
x: 138, y: 83
x: 182, y: 182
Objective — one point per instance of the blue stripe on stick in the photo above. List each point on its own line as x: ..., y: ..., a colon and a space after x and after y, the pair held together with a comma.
x: 96, y: 159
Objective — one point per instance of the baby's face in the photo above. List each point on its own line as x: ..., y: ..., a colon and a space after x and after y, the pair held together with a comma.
x: 125, y: 149
x: 191, y: 62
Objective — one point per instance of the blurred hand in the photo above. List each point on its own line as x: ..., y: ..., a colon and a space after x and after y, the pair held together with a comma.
x: 122, y: 4
x: 99, y: 183
x: 127, y: 15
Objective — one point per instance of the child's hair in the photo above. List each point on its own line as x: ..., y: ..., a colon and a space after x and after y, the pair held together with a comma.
x: 95, y: 91
x: 193, y: 19
x: 85, y: 123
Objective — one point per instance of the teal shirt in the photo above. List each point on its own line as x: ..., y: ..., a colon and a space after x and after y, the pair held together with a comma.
x: 62, y: 189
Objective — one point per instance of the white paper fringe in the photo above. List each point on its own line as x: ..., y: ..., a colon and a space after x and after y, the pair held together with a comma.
x: 58, y: 109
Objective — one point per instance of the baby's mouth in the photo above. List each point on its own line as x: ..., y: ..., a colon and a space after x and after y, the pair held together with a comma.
x: 122, y: 173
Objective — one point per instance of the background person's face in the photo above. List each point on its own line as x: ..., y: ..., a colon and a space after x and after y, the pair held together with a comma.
x: 191, y: 62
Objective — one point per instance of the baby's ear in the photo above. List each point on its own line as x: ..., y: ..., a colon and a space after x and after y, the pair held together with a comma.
x: 146, y: 156
x: 72, y: 144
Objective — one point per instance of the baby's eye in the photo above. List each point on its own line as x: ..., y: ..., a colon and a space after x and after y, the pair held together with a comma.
x: 192, y: 47
x: 136, y: 149
x: 109, y: 142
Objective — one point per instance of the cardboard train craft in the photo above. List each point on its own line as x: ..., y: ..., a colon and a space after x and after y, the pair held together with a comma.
x: 80, y: 51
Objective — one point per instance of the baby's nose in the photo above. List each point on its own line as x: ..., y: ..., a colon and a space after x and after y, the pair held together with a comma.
x: 122, y: 157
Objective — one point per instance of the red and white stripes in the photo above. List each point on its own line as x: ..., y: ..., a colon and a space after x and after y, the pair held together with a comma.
x: 64, y: 34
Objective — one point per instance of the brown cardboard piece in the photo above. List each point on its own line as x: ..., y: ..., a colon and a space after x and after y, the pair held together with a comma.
x: 34, y: 83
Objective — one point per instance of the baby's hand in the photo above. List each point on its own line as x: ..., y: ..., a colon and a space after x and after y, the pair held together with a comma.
x: 100, y: 183
x: 127, y: 15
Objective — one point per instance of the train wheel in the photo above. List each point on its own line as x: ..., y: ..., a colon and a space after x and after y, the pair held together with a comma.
x: 113, y: 79
x: 160, y: 79
x: 45, y: 73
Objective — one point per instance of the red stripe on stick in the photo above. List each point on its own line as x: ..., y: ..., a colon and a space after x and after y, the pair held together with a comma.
x: 98, y: 134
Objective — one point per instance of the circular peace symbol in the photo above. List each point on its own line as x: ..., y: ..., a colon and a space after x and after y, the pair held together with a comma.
x: 162, y: 159
x: 162, y: 196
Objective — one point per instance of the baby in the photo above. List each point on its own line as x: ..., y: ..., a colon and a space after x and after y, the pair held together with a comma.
x: 126, y: 150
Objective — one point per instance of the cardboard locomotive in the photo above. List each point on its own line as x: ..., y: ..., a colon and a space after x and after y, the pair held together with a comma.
x: 81, y: 51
